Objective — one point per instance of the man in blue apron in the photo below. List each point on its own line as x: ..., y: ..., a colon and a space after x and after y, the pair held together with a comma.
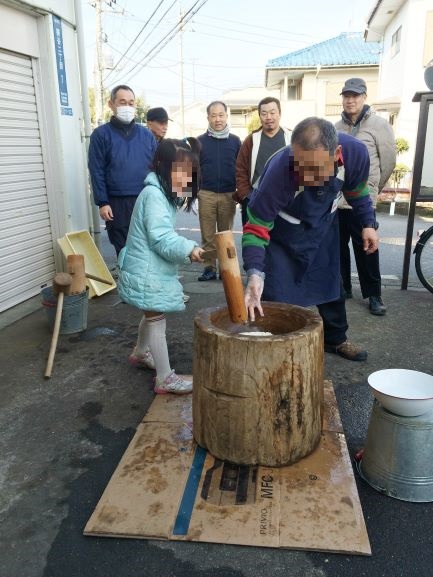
x: 290, y: 245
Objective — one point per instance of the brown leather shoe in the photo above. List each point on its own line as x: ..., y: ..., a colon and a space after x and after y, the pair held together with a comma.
x: 348, y: 351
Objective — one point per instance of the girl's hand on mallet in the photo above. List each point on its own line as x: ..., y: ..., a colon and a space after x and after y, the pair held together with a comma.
x: 196, y: 253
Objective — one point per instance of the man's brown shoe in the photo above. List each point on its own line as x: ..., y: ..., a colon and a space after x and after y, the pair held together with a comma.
x: 348, y: 351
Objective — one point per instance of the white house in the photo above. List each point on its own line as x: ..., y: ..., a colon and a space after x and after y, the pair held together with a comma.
x: 309, y: 81
x: 43, y: 178
x: 405, y: 29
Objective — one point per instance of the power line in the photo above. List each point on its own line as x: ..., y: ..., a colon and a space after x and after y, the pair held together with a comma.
x: 168, y: 68
x: 244, y: 41
x: 173, y: 31
x: 135, y: 39
x: 150, y: 33
x: 193, y: 81
x: 167, y: 38
x: 213, y: 18
x: 176, y: 29
x: 176, y: 62
x: 212, y: 26
x: 240, y: 66
x: 249, y: 26
x: 237, y: 39
x: 225, y: 66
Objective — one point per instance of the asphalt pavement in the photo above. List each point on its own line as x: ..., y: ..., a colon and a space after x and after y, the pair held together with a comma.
x: 62, y: 438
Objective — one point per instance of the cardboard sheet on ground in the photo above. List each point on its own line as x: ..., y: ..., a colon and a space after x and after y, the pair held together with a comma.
x: 166, y: 487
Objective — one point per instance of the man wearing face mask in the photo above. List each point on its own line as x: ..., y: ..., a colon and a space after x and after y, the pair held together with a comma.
x: 120, y: 156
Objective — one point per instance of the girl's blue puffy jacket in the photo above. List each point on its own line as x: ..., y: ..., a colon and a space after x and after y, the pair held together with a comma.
x: 149, y: 262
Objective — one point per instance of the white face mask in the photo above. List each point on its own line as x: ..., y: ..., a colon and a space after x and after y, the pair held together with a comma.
x: 125, y: 114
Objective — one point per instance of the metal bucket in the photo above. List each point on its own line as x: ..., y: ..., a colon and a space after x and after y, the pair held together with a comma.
x: 398, y: 455
x: 74, y: 312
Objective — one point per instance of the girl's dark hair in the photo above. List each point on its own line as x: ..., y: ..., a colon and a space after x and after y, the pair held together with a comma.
x: 169, y: 151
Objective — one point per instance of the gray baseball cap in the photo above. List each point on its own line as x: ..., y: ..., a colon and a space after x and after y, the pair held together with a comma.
x: 356, y: 85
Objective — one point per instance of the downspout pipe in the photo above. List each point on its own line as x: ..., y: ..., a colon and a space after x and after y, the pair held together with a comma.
x: 96, y: 227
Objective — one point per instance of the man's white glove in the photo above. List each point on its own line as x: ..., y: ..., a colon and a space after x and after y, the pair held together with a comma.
x: 253, y: 294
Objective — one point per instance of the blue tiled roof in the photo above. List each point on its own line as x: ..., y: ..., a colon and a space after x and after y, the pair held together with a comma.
x: 347, y: 49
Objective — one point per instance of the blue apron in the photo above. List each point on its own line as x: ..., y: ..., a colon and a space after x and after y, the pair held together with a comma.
x: 302, y: 263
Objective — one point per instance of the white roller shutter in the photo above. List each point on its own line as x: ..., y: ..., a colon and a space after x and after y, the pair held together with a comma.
x: 26, y: 245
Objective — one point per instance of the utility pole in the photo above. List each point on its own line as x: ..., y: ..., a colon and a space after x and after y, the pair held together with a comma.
x: 193, y: 78
x: 182, y: 105
x: 99, y: 66
x: 100, y: 63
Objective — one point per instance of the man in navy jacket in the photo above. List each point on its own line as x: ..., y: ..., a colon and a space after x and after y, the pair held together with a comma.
x: 290, y: 245
x: 219, y: 150
x: 120, y: 157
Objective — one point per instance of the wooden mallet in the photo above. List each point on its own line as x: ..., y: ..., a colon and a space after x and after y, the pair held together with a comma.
x: 61, y: 286
x: 75, y: 267
x: 231, y: 276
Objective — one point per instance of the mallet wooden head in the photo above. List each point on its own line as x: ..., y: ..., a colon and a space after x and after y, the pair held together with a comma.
x: 62, y: 283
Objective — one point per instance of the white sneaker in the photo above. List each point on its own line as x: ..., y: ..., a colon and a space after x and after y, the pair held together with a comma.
x: 172, y: 384
x: 185, y: 298
x: 141, y: 360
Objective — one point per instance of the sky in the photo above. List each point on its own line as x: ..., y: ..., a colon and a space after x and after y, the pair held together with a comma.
x: 224, y: 46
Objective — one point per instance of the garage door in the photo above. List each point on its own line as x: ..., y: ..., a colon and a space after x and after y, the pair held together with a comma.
x: 26, y: 245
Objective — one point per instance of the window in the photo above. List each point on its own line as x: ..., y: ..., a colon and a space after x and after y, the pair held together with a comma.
x: 392, y: 118
x: 294, y: 90
x: 395, y: 42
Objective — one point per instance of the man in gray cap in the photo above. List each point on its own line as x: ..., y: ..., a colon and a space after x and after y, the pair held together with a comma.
x: 157, y: 121
x: 359, y: 120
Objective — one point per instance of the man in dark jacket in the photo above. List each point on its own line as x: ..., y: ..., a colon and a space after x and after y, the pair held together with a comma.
x: 290, y: 242
x: 218, y: 181
x: 157, y: 121
x: 120, y: 156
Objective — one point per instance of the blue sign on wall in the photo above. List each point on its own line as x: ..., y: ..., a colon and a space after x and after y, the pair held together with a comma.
x: 60, y: 59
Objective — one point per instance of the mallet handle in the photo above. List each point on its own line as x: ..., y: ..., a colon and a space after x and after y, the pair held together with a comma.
x: 55, y: 337
x: 98, y: 278
x: 231, y: 276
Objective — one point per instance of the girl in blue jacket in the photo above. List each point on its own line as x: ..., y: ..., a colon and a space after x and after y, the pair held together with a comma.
x: 148, y: 264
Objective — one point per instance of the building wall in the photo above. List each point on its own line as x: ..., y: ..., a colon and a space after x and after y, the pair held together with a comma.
x: 62, y: 126
x: 320, y: 93
x: 402, y: 74
x: 69, y: 130
x: 26, y: 31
